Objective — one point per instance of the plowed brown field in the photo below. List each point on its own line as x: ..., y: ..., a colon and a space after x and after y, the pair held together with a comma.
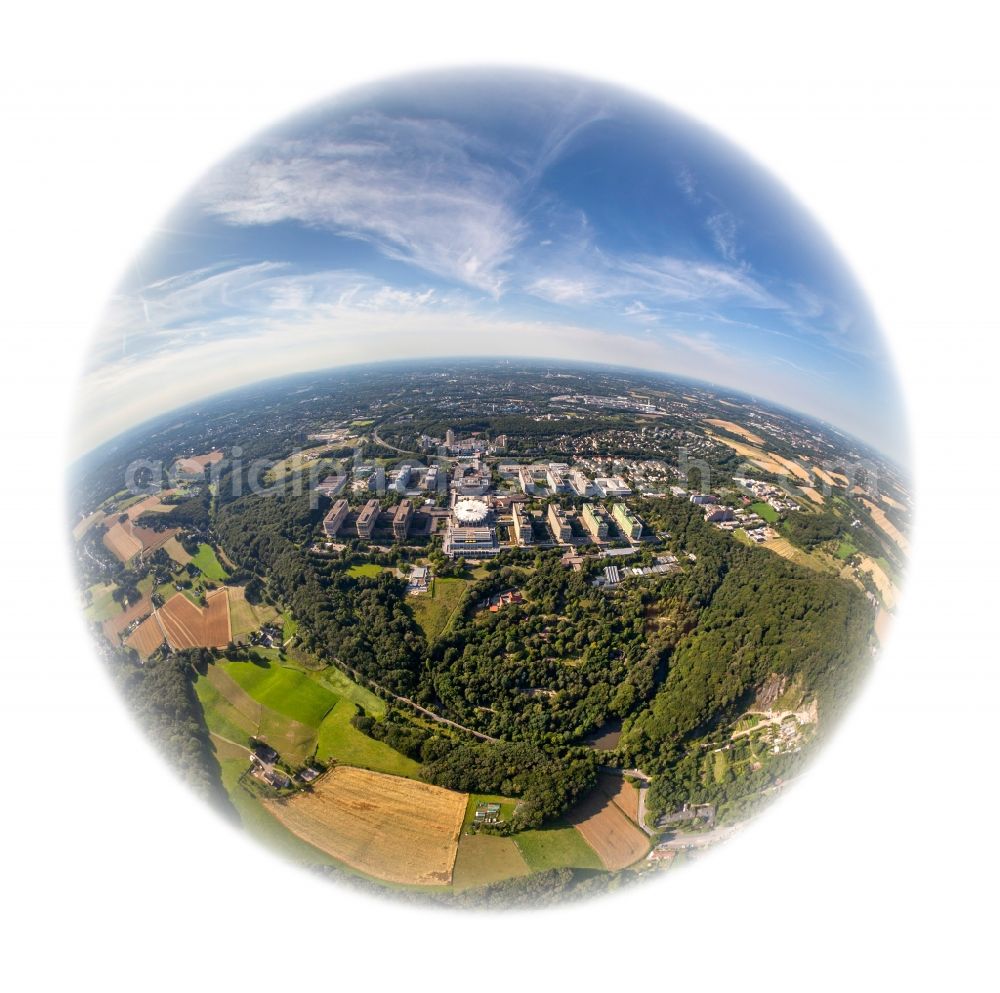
x: 623, y: 793
x: 114, y: 626
x: 188, y: 626
x: 147, y: 637
x: 395, y: 829
x: 617, y: 841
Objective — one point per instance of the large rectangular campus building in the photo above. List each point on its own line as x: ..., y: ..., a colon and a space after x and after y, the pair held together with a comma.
x: 367, y: 518
x: 335, y: 518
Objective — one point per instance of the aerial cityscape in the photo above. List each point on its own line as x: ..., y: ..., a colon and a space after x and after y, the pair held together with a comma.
x: 489, y: 490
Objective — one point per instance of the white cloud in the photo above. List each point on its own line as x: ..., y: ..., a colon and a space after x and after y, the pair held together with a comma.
x: 420, y: 191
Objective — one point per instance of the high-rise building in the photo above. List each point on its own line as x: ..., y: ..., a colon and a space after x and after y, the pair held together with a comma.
x: 449, y: 437
x: 594, y: 522
x: 367, y: 518
x: 523, y: 534
x: 335, y: 518
x: 627, y: 521
x: 558, y: 523
x: 401, y: 520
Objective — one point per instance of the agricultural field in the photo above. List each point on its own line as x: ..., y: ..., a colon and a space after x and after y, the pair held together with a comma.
x: 246, y: 617
x: 338, y: 740
x: 737, y: 429
x: 176, y: 551
x: 757, y: 456
x: 287, y: 691
x: 343, y: 686
x: 486, y: 858
x: 846, y: 549
x: 882, y: 581
x: 395, y: 829
x: 116, y: 624
x: 432, y: 610
x: 101, y: 604
x: 813, y: 494
x: 616, y: 840
x: 621, y: 792
x: 122, y: 544
x: 556, y: 847
x: 208, y: 564
x: 189, y: 626
x: 147, y: 637
x: 880, y: 518
x: 232, y: 713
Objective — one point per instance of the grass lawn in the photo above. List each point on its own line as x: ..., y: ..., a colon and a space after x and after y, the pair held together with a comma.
x: 556, y: 847
x: 288, y: 626
x: 340, y: 740
x: 221, y: 716
x: 507, y: 806
x: 367, y: 569
x: 285, y: 690
x: 208, y: 564
x: 766, y: 511
x: 335, y: 681
x: 846, y: 549
x: 433, y: 610
x: 720, y: 765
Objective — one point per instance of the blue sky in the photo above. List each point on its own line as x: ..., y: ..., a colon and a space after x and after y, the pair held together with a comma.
x: 484, y: 213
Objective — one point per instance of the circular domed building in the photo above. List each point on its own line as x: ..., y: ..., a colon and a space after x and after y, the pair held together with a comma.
x: 469, y: 513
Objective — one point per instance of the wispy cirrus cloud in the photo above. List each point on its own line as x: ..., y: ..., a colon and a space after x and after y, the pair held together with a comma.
x: 421, y: 191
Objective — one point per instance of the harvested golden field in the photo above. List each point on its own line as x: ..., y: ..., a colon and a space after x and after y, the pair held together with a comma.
x: 147, y: 637
x: 737, y: 429
x: 175, y: 550
x: 617, y: 841
x: 784, y: 548
x: 396, y: 829
x: 151, y: 504
x: 823, y: 476
x: 120, y: 541
x: 246, y: 617
x: 886, y: 499
x: 624, y: 795
x: 882, y: 582
x: 195, y: 465
x: 755, y: 455
x: 188, y: 626
x: 813, y: 494
x: 114, y: 626
x: 878, y: 516
x: 793, y: 467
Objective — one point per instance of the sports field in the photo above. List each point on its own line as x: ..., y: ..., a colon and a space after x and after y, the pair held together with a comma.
x: 399, y: 830
x: 766, y: 511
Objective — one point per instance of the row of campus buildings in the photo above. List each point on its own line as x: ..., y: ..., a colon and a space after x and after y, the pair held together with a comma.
x: 367, y: 519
